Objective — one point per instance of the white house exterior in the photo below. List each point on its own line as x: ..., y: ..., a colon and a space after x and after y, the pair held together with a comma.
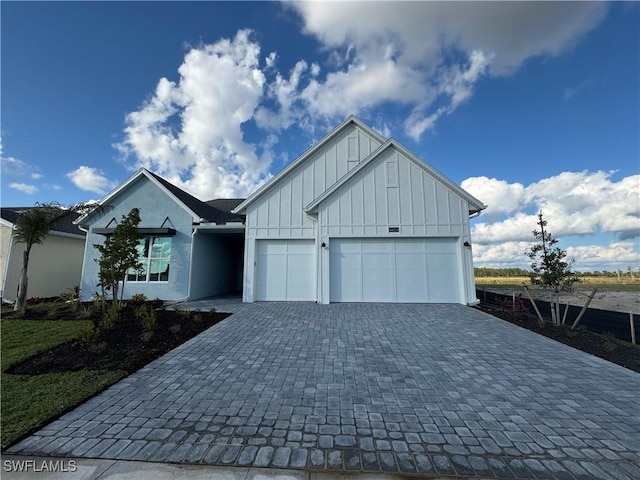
x: 356, y: 218
x: 54, y: 267
x: 359, y: 218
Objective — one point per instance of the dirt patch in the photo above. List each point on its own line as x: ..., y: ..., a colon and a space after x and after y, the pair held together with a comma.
x: 605, y: 299
x: 604, y: 346
x: 127, y: 346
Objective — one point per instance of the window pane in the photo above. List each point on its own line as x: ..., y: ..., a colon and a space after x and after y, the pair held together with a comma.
x: 161, y: 247
x: 138, y: 276
x: 159, y: 271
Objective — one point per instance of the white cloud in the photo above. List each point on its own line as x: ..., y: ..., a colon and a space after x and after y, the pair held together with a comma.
x: 403, y: 52
x: 90, y: 179
x: 609, y: 256
x: 24, y: 187
x: 190, y: 131
x: 573, y: 203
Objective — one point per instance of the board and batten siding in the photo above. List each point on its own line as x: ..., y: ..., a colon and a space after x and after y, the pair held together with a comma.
x: 156, y: 209
x: 416, y: 203
x: 392, y: 192
x: 279, y: 213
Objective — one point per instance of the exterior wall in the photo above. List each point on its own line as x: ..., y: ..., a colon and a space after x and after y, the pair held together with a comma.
x: 155, y: 207
x: 279, y: 213
x: 54, y: 267
x: 5, y: 245
x: 419, y: 206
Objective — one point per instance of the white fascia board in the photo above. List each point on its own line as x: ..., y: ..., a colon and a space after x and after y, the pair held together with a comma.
x: 214, y: 226
x: 433, y: 171
x: 412, y: 157
x: 67, y: 235
x: 351, y: 119
x: 124, y: 185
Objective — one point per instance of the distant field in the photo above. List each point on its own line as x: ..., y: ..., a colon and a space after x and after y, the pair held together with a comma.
x: 602, y: 283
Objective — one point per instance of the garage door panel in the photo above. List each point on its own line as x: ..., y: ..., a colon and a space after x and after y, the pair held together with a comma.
x: 394, y: 270
x: 285, y: 270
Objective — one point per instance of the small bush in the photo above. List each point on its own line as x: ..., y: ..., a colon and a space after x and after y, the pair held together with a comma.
x: 184, y: 314
x: 33, y: 300
x: 156, y: 303
x: 52, y: 311
x: 88, y: 334
x: 110, y: 317
x: 146, y: 316
x: 175, y: 328
x: 85, y: 312
x: 138, y: 298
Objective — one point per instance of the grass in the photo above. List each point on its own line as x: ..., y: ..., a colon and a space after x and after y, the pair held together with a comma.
x: 29, y: 402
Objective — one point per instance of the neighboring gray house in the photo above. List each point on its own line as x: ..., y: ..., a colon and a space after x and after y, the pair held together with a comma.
x: 356, y: 218
x: 55, y: 266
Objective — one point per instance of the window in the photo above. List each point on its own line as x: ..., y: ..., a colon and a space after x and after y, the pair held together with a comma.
x: 154, y: 254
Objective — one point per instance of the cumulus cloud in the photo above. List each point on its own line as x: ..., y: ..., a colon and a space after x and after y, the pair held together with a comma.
x: 190, y: 131
x: 609, y: 256
x: 90, y: 179
x: 24, y: 187
x: 574, y: 203
x: 423, y: 53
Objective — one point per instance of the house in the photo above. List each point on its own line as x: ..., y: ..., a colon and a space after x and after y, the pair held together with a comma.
x: 355, y: 218
x: 191, y: 249
x: 55, y: 266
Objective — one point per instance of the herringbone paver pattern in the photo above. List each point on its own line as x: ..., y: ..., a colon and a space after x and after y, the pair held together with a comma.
x: 435, y: 389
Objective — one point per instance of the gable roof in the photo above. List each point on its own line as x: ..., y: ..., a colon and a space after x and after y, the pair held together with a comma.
x: 475, y: 205
x: 67, y: 226
x: 215, y: 211
x: 350, y: 120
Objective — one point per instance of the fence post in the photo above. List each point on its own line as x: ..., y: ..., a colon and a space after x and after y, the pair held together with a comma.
x: 584, y: 309
x: 632, y: 327
x: 533, y: 302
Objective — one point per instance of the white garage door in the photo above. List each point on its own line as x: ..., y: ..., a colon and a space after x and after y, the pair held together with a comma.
x: 285, y: 270
x: 394, y: 270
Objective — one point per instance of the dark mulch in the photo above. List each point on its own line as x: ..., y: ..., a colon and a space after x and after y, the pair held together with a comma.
x: 604, y: 346
x: 126, y: 347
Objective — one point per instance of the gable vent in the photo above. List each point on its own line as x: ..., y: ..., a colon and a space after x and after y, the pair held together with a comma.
x: 352, y: 148
x: 392, y: 173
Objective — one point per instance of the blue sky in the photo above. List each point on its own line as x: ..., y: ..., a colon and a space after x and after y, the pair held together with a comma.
x: 529, y: 106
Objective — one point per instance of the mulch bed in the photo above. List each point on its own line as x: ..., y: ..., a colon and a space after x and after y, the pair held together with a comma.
x: 616, y: 351
x: 126, y: 347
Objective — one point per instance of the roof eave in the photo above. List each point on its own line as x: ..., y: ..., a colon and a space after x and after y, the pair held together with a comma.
x: 351, y: 119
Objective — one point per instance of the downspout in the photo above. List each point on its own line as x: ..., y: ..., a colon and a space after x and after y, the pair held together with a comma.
x: 318, y: 259
x: 193, y: 241
x: 84, y: 255
x: 6, y: 267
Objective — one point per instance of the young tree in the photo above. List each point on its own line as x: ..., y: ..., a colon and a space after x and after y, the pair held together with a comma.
x: 32, y: 227
x: 119, y: 254
x: 549, y: 267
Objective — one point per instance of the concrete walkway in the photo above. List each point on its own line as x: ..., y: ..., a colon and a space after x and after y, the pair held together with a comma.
x: 440, y: 390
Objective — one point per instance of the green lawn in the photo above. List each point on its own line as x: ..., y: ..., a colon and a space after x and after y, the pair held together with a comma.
x: 30, y: 401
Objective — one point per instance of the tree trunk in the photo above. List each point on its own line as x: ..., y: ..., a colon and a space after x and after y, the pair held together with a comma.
x: 23, y: 283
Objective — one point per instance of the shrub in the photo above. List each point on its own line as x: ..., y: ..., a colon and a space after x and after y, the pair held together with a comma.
x: 157, y: 303
x: 516, y: 307
x: 33, y: 300
x: 88, y: 334
x: 85, y: 312
x: 184, y: 314
x: 110, y: 317
x: 175, y: 328
x: 138, y: 298
x: 146, y: 316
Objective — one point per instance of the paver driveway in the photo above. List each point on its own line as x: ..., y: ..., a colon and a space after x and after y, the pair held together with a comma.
x: 441, y: 389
